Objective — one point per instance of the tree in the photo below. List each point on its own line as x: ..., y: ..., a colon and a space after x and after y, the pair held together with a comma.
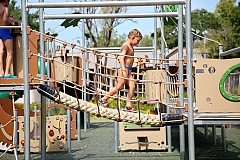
x: 228, y: 33
x: 203, y: 21
x: 146, y: 41
x: 15, y: 11
x: 116, y: 39
x: 100, y: 30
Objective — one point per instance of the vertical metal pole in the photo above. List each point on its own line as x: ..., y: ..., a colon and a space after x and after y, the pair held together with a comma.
x: 54, y: 54
x: 223, y: 130
x: 220, y: 50
x: 116, y: 124
x: 204, y: 55
x: 155, y: 39
x: 214, y: 134
x: 206, y: 131
x: 162, y: 35
x: 191, y: 144
x: 84, y: 73
x: 180, y: 77
x: 48, y: 68
x: 169, y: 134
x: 78, y: 125
x: 26, y: 83
x: 15, y: 138
x: 43, y: 99
x: 205, y: 126
x: 35, y: 123
x: 87, y: 67
x: 69, y: 130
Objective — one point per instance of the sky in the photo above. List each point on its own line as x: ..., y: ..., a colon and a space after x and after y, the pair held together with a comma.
x: 145, y: 25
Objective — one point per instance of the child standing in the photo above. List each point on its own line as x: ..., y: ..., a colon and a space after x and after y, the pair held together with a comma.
x: 126, y: 60
x: 6, y: 40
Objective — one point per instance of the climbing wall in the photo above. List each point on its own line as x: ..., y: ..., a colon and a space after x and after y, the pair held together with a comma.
x: 55, y: 133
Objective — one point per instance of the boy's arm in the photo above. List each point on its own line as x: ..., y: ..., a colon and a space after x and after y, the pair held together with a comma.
x: 5, y: 16
x: 124, y: 51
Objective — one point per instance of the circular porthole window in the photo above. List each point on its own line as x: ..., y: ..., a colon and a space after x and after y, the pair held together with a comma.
x: 229, y: 84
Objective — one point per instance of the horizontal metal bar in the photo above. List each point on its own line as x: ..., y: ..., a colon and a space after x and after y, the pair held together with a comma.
x: 172, y: 53
x: 103, y: 4
x: 118, y: 51
x: 217, y: 122
x: 235, y: 50
x: 118, y: 48
x: 11, y: 87
x: 105, y: 16
x: 10, y: 26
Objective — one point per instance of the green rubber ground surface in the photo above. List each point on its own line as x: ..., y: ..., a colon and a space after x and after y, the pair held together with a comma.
x: 98, y: 144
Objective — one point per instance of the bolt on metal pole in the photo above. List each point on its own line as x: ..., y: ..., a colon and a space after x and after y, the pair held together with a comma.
x: 180, y: 77
x: 26, y: 83
x: 189, y: 50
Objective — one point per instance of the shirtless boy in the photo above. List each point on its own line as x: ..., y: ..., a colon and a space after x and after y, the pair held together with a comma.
x: 6, y: 40
x: 124, y: 70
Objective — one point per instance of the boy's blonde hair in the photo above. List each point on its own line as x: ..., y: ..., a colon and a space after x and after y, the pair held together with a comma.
x: 135, y: 33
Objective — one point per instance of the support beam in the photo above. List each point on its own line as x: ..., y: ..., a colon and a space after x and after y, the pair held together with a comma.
x: 191, y: 143
x: 174, y: 51
x: 105, y: 16
x: 104, y: 4
x: 26, y: 83
x: 231, y: 51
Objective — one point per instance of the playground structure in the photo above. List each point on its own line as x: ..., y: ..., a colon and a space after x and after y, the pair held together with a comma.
x: 200, y: 109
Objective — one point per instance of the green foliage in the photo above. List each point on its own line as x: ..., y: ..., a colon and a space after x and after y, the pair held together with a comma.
x: 33, y: 20
x: 143, y: 107
x: 31, y: 106
x: 59, y: 110
x: 146, y: 41
x: 116, y: 39
x: 15, y: 11
x: 203, y: 21
x: 228, y: 31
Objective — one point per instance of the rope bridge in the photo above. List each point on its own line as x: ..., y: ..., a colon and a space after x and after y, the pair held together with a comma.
x: 95, y: 72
